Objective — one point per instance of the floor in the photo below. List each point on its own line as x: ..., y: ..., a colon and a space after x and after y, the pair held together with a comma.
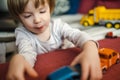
x: 98, y: 32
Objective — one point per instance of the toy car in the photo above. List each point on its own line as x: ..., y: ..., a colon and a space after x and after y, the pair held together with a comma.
x: 108, y: 57
x: 110, y: 35
x: 66, y: 73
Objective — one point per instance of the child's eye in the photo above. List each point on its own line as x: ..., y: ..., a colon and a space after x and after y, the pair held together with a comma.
x: 27, y: 16
x: 43, y: 11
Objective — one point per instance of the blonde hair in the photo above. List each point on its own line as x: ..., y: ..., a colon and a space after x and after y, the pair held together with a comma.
x: 17, y: 7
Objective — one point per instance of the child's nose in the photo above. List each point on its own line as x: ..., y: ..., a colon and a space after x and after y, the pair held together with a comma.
x: 37, y: 19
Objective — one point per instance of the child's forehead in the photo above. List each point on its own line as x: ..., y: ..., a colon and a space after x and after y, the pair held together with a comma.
x: 31, y: 5
x: 37, y: 3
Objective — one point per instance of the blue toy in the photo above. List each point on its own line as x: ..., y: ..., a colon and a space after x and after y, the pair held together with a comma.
x: 66, y: 73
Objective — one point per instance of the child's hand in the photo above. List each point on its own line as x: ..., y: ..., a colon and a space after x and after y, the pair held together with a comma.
x: 90, y: 63
x: 17, y: 68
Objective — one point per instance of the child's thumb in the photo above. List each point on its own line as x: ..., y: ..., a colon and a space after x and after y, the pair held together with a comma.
x: 74, y: 62
x: 31, y: 72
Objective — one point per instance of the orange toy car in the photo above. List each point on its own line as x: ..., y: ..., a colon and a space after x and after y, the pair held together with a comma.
x: 108, y: 57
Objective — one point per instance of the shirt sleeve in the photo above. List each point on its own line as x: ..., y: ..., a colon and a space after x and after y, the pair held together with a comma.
x: 74, y: 35
x: 25, y: 47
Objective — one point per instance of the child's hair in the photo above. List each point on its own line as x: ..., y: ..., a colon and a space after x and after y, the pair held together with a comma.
x: 17, y: 7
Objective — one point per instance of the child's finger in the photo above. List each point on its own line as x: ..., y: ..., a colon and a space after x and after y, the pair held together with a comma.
x: 74, y: 62
x: 20, y: 77
x: 30, y: 71
x: 96, y: 73
x: 17, y: 76
x: 85, y: 71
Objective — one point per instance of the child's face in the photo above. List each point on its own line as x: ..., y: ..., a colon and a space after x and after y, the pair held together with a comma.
x: 34, y: 19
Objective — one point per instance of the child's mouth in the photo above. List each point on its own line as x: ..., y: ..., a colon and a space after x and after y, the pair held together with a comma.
x: 41, y: 27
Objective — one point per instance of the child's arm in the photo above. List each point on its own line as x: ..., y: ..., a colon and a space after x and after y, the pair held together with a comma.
x: 18, y: 67
x: 89, y: 60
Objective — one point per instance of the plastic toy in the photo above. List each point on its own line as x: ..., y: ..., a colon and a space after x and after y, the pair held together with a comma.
x: 102, y: 16
x: 108, y: 57
x: 110, y: 35
x: 66, y: 73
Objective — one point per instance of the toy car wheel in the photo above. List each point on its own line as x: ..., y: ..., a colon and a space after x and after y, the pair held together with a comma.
x: 85, y: 23
x: 109, y: 25
x: 117, y: 26
x: 104, y: 70
x: 76, y: 77
x: 117, y: 61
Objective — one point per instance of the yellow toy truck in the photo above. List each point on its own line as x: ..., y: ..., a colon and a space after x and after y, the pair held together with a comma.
x: 102, y: 16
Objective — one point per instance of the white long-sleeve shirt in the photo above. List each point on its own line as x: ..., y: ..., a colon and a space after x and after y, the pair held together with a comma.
x: 30, y: 46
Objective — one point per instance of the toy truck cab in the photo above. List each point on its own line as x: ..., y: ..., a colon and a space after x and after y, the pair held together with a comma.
x: 88, y: 19
x: 108, y: 57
